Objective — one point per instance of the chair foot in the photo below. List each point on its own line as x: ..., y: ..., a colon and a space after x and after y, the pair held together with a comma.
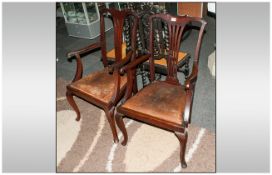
x: 71, y: 101
x: 121, y: 125
x: 182, y: 137
x: 184, y: 165
x: 111, y: 120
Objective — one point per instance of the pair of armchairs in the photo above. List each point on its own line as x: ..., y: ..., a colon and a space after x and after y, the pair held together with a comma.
x: 165, y: 104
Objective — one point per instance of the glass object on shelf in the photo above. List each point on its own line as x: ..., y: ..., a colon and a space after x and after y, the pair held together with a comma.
x: 74, y: 13
x: 79, y: 11
x: 70, y: 12
x: 92, y: 13
x: 82, y: 19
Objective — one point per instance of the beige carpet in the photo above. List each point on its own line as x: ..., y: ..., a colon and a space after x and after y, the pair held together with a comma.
x: 87, y: 145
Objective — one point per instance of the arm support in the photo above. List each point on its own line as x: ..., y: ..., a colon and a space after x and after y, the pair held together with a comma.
x: 188, y: 106
x: 79, y: 70
x: 84, y: 50
x: 189, y: 90
x: 189, y: 83
x: 134, y: 63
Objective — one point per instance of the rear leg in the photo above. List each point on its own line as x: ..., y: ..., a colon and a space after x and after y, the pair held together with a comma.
x: 121, y: 125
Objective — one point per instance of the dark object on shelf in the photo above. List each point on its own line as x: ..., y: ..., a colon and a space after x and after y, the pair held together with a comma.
x: 106, y: 87
x: 164, y: 104
x: 172, y: 8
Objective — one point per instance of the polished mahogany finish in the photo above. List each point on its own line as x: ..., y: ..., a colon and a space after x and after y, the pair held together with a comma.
x: 106, y: 87
x: 165, y: 104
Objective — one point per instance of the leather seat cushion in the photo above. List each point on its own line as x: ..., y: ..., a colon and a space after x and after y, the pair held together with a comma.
x: 159, y: 101
x: 98, y: 85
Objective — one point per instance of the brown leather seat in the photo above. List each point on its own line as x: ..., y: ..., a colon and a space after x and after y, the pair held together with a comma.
x: 159, y: 100
x: 98, y: 85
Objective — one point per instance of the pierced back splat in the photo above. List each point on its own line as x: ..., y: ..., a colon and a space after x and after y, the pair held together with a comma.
x: 118, y: 18
x: 175, y: 26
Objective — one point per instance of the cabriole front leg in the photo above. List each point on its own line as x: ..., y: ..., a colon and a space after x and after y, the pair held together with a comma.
x: 71, y: 101
x: 182, y: 137
x: 111, y: 120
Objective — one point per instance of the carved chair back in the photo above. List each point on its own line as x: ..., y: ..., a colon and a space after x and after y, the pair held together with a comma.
x: 174, y: 26
x: 143, y: 39
x: 119, y: 18
x: 144, y: 11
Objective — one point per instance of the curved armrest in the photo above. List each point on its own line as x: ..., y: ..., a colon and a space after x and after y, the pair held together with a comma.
x: 134, y: 63
x: 189, y: 90
x: 188, y: 106
x: 121, y: 63
x: 84, y: 50
x: 192, y: 78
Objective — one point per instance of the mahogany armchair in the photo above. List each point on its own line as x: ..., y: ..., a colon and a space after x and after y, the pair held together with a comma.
x: 165, y: 104
x: 106, y: 87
